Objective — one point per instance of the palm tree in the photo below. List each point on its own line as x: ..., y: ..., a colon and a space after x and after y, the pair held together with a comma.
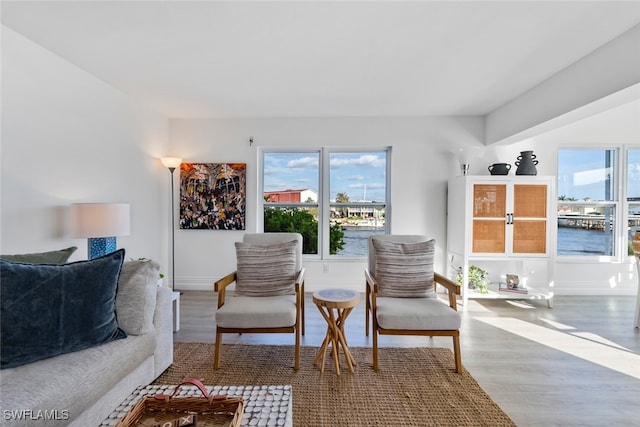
x: 342, y: 198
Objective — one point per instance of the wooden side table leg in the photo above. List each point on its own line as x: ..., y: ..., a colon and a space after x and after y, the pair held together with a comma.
x: 345, y: 313
x: 323, y: 351
x: 335, y: 341
x: 351, y: 361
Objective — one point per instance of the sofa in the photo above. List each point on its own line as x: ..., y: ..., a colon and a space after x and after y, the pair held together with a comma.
x: 81, y: 386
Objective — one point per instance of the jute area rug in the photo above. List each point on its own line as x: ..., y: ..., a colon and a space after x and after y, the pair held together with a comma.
x: 414, y: 387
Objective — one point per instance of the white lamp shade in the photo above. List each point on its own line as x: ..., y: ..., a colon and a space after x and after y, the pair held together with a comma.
x: 171, y: 162
x: 100, y: 219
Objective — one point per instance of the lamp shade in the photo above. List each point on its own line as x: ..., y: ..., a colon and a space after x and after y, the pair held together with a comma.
x: 171, y: 162
x: 100, y: 219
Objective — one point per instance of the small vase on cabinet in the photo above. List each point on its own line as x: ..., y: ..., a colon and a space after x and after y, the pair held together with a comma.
x: 526, y: 163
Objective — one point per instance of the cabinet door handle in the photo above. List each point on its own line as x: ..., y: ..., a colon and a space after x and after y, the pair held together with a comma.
x: 509, y: 219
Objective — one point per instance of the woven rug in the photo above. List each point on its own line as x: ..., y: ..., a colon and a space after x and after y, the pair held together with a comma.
x: 414, y: 387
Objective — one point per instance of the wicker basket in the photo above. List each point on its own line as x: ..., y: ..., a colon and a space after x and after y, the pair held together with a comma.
x: 211, y: 410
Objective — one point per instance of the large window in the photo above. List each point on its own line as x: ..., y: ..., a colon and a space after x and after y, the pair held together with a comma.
x: 335, y: 198
x: 587, y: 202
x: 598, y: 201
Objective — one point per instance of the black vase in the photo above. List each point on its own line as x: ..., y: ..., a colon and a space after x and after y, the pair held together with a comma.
x: 526, y: 163
x: 499, y: 169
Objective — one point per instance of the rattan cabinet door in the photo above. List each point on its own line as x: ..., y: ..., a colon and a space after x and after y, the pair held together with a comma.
x: 489, y: 218
x: 529, y: 219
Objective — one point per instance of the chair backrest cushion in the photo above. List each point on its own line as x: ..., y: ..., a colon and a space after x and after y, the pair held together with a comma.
x: 276, y: 237
x: 266, y: 269
x: 403, y: 265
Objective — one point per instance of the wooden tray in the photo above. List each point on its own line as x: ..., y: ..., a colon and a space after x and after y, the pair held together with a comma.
x: 164, y: 409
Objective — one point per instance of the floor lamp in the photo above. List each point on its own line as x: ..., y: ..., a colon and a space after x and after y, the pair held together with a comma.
x: 172, y: 163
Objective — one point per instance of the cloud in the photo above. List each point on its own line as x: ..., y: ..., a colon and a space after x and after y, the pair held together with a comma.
x: 366, y: 160
x: 303, y: 162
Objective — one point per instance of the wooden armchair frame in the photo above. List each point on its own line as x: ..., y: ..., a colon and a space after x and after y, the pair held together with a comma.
x: 453, y: 289
x: 298, y: 328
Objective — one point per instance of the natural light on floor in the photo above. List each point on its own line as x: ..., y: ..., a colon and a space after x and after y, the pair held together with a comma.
x: 584, y: 345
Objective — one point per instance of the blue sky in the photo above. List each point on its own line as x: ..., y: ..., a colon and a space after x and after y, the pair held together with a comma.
x: 362, y: 176
x: 582, y: 173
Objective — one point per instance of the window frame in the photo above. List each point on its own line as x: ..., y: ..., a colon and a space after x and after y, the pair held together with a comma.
x: 324, y: 203
x: 628, y: 203
x: 620, y: 203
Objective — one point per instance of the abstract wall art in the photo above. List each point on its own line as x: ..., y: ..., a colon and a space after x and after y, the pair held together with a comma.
x: 213, y: 196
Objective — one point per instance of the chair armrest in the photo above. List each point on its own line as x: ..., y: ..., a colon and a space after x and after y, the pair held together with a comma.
x: 220, y: 286
x: 300, y: 281
x: 452, y: 288
x: 372, y: 284
x: 370, y: 299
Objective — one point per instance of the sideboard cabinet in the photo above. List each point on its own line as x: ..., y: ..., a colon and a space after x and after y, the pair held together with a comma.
x: 506, y: 226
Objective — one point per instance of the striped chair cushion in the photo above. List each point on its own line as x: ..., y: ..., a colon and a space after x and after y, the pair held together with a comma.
x: 266, y: 269
x: 404, y: 270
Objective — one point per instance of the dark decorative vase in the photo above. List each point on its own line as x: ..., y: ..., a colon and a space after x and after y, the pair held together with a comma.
x: 499, y: 169
x: 526, y: 163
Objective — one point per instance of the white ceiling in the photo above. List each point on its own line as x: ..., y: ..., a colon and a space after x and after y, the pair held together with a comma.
x: 317, y: 59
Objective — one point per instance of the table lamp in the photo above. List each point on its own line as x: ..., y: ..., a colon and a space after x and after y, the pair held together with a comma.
x: 100, y: 223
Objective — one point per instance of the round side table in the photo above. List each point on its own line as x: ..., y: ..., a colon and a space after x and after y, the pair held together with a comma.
x: 335, y: 306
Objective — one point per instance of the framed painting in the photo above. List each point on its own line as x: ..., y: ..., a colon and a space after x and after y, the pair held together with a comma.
x: 213, y: 196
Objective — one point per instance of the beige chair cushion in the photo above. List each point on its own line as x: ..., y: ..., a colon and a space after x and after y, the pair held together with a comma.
x: 430, y: 314
x: 257, y: 312
x: 404, y: 269
x: 266, y: 269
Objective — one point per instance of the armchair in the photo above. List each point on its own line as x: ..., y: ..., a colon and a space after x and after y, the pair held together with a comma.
x: 401, y: 294
x: 269, y: 292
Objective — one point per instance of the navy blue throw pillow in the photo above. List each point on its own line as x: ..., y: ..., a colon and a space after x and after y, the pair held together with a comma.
x: 47, y: 310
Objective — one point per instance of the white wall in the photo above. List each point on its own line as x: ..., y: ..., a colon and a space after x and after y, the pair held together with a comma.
x: 421, y: 165
x: 68, y: 137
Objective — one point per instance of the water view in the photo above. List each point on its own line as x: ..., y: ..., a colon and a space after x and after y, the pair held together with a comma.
x: 356, y: 240
x: 581, y: 242
x: 571, y: 241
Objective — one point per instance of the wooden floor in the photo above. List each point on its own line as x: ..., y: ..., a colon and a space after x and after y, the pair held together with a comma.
x: 577, y: 364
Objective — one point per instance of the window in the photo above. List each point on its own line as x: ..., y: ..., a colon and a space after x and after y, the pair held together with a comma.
x: 587, y: 202
x: 335, y: 198
x: 633, y: 195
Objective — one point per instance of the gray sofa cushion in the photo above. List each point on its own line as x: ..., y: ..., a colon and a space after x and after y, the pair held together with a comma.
x: 71, y: 383
x: 136, y: 298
